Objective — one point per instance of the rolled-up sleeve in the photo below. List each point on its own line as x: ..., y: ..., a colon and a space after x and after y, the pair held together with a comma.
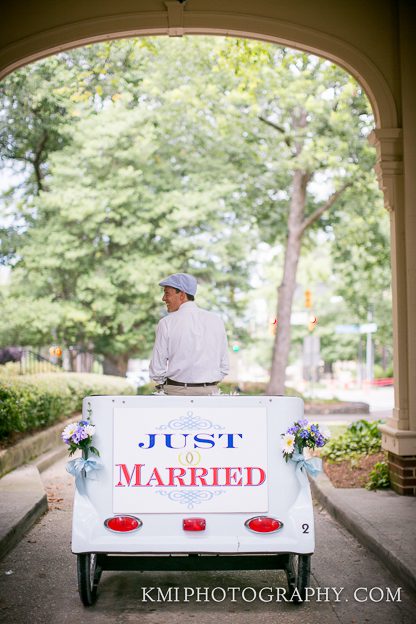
x: 159, y: 360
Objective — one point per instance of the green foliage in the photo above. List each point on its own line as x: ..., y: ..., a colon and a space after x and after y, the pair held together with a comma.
x: 383, y: 373
x: 33, y: 401
x: 27, y: 367
x: 146, y: 389
x: 379, y: 477
x: 143, y: 187
x: 361, y: 437
x: 145, y: 156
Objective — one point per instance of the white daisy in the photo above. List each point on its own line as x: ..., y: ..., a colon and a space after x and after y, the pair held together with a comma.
x: 288, y: 443
x: 69, y: 431
x: 89, y: 430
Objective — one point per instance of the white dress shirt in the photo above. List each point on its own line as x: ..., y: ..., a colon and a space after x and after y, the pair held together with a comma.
x: 191, y: 347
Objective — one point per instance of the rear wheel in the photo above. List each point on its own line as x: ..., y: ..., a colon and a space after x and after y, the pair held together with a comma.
x: 88, y: 577
x: 298, y: 574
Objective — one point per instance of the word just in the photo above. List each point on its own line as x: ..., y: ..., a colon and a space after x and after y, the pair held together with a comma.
x: 186, y: 440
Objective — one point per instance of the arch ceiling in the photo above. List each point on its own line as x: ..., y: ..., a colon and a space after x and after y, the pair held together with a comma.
x: 56, y: 28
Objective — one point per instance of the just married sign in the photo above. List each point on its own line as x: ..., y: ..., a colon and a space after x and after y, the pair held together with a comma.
x: 173, y: 460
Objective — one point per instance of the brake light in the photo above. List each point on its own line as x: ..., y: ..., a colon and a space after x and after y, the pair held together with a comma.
x: 194, y: 524
x: 263, y: 524
x: 123, y: 524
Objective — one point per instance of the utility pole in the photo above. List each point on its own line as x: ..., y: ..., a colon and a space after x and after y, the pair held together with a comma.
x: 369, y: 368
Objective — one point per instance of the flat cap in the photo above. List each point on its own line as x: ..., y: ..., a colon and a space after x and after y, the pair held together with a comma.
x: 182, y: 281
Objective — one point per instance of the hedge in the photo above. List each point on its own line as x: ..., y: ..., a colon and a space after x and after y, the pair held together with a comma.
x: 30, y: 402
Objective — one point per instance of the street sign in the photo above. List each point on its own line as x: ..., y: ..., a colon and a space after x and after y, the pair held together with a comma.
x: 299, y: 318
x: 347, y: 329
x: 368, y: 328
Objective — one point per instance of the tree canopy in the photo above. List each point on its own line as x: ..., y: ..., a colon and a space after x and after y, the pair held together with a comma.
x: 141, y: 157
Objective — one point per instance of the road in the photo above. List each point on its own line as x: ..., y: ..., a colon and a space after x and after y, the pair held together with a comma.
x: 38, y: 582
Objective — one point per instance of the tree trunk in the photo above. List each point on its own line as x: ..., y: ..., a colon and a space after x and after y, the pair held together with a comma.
x: 287, y: 287
x: 116, y: 364
x: 72, y: 360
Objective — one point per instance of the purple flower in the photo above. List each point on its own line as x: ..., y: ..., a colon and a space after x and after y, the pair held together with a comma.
x: 303, y: 422
x: 293, y: 430
x: 314, y: 428
x: 79, y: 434
x: 304, y: 434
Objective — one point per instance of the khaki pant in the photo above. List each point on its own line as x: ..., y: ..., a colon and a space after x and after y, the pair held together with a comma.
x: 193, y: 391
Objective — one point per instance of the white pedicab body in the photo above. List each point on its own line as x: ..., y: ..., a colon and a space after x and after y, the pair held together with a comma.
x: 212, y: 462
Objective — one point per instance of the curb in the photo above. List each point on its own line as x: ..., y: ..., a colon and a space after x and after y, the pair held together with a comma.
x: 32, y: 447
x: 24, y: 499
x: 361, y: 528
x: 47, y: 459
x: 23, y: 502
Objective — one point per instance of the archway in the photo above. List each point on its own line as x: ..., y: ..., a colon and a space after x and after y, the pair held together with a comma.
x: 370, y: 52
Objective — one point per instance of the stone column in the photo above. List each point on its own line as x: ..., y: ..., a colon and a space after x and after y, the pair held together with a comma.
x: 399, y: 434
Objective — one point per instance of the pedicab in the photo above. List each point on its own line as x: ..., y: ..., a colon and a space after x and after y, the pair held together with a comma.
x: 192, y: 483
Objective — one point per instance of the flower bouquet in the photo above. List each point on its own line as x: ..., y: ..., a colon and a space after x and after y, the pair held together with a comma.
x: 300, y: 436
x: 78, y: 435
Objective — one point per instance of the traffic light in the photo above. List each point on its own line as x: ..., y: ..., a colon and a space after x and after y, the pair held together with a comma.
x: 313, y: 321
x: 308, y: 298
x: 236, y: 347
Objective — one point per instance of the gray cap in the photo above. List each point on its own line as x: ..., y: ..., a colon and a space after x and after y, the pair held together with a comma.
x: 182, y: 281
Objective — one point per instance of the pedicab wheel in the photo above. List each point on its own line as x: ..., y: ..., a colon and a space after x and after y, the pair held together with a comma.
x: 298, y: 574
x: 88, y: 577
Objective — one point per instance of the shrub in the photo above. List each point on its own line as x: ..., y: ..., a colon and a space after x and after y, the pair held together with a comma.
x: 379, y: 477
x: 381, y: 373
x: 30, y: 402
x: 28, y: 367
x: 360, y: 438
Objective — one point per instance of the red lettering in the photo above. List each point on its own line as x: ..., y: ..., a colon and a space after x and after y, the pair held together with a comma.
x: 129, y: 477
x: 155, y: 476
x: 229, y: 476
x: 172, y: 476
x: 200, y: 477
x: 249, y: 470
x: 215, y: 480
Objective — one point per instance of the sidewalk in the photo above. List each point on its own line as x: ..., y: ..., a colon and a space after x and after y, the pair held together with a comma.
x: 382, y: 521
x: 22, y: 497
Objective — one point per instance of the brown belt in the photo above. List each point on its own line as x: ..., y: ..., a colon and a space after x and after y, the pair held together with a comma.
x: 172, y: 382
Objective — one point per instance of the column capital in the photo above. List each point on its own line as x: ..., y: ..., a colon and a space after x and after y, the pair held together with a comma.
x: 389, y: 166
x: 398, y: 441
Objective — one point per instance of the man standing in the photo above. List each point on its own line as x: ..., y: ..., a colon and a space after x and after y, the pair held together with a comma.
x: 190, y: 355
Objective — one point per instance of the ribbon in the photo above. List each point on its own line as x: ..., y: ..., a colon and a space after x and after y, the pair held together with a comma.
x: 313, y: 465
x: 82, y: 469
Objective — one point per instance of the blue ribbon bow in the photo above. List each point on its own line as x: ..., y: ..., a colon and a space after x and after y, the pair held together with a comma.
x: 313, y: 465
x: 81, y: 468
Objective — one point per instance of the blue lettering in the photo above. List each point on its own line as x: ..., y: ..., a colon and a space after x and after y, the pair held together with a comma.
x: 203, y: 440
x: 168, y: 437
x: 230, y: 438
x: 152, y: 438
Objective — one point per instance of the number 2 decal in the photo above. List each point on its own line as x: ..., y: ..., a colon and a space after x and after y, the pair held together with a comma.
x: 305, y: 528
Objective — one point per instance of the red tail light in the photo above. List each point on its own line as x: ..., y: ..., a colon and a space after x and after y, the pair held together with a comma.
x: 123, y: 524
x: 263, y: 524
x: 194, y: 524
